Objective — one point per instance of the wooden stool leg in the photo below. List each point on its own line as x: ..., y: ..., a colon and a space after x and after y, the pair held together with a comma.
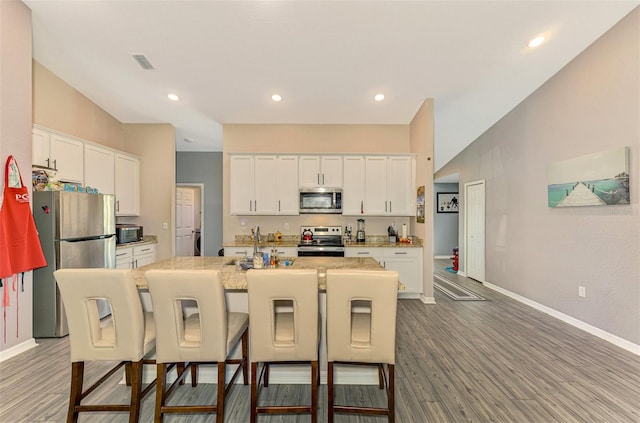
x: 330, y: 391
x: 127, y: 373
x: 136, y: 390
x: 221, y: 389
x: 314, y: 392
x: 194, y: 374
x: 245, y: 356
x: 180, y: 368
x: 266, y: 374
x: 381, y: 384
x: 254, y: 391
x: 161, y: 381
x: 391, y: 394
x: 75, y: 395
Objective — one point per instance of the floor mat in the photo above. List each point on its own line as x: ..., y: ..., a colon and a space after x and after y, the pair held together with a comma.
x: 454, y: 291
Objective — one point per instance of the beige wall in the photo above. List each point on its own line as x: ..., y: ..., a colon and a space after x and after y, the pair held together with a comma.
x: 544, y: 254
x: 57, y: 105
x: 15, y: 139
x: 155, y: 144
x: 421, y: 143
x: 307, y: 139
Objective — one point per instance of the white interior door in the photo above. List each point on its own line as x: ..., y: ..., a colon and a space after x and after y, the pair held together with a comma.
x: 185, y: 200
x: 474, y: 212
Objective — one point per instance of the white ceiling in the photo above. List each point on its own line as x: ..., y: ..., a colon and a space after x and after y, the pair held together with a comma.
x: 326, y: 58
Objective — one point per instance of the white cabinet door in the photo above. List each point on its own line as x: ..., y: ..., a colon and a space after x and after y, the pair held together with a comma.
x: 68, y: 157
x: 320, y: 171
x: 353, y: 190
x: 309, y: 175
x: 408, y: 263
x: 400, y: 188
x: 331, y: 171
x: 40, y: 154
x: 127, y: 185
x: 99, y: 168
x: 265, y: 185
x: 375, y: 202
x: 287, y: 184
x: 241, y: 185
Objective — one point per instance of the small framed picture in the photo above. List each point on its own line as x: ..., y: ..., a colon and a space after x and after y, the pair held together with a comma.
x: 447, y: 202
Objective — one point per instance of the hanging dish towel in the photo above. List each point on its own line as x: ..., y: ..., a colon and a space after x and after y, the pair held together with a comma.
x: 20, y: 248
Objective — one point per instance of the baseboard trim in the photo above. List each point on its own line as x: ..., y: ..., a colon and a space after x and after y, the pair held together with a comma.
x: 17, y: 349
x: 427, y: 300
x: 609, y: 337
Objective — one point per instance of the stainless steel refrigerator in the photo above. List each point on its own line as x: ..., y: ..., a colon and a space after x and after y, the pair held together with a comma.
x: 77, y: 230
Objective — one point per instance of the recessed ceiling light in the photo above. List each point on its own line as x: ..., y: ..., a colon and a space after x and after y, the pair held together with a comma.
x: 173, y: 97
x: 276, y: 97
x: 379, y: 97
x: 536, y: 41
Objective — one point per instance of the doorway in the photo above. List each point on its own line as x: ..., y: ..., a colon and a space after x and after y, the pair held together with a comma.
x: 474, y: 230
x: 189, y: 218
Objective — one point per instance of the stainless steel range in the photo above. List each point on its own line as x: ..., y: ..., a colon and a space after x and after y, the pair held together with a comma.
x: 321, y: 241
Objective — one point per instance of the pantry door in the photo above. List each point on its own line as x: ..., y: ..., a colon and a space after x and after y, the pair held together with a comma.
x: 474, y: 213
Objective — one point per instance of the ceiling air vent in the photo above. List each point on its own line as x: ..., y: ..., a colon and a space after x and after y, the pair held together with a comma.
x: 143, y: 62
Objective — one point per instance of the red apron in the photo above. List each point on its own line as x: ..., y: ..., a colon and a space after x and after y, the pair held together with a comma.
x: 20, y: 248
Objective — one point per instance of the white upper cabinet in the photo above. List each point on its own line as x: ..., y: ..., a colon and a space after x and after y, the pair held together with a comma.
x: 401, y: 187
x: 287, y: 184
x: 99, y: 168
x: 265, y: 190
x: 379, y: 186
x: 320, y: 171
x: 56, y: 151
x: 263, y: 185
x: 127, y: 185
x: 353, y: 190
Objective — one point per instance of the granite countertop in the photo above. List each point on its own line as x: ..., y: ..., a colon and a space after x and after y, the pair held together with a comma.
x: 236, y: 279
x: 146, y: 239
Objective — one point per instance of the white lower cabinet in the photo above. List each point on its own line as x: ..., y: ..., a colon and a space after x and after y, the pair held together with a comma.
x: 136, y: 256
x: 406, y: 261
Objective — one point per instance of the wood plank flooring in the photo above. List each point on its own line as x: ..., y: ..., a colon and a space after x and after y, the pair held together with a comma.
x: 457, y: 361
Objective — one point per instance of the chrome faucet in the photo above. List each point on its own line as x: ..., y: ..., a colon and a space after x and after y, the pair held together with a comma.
x: 256, y: 239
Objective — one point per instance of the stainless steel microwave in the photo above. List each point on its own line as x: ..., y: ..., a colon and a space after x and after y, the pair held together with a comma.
x: 320, y: 200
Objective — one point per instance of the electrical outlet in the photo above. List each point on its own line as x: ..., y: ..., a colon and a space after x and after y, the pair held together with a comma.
x: 582, y: 292
x: 286, y: 226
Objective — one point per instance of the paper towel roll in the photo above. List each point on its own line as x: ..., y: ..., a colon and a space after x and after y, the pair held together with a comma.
x: 404, y: 231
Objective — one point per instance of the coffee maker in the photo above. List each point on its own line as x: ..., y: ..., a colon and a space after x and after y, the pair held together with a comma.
x: 360, y: 234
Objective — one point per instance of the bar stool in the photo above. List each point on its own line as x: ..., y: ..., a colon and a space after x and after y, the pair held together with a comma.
x: 127, y: 336
x: 361, y: 330
x: 207, y: 337
x: 283, y: 308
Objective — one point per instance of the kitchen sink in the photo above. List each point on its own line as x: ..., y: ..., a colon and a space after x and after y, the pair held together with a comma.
x: 247, y: 263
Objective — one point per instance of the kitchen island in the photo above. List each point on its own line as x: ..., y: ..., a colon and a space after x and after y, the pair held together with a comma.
x: 235, y: 279
x: 235, y: 284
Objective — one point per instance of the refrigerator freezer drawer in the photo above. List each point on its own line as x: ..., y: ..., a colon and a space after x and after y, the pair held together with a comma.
x: 90, y: 253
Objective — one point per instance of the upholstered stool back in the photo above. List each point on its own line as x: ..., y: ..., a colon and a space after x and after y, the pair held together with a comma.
x: 361, y: 330
x: 285, y: 305
x: 361, y: 315
x: 124, y: 335
x: 202, y: 337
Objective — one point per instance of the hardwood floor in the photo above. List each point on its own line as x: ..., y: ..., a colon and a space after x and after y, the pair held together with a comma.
x: 457, y: 361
